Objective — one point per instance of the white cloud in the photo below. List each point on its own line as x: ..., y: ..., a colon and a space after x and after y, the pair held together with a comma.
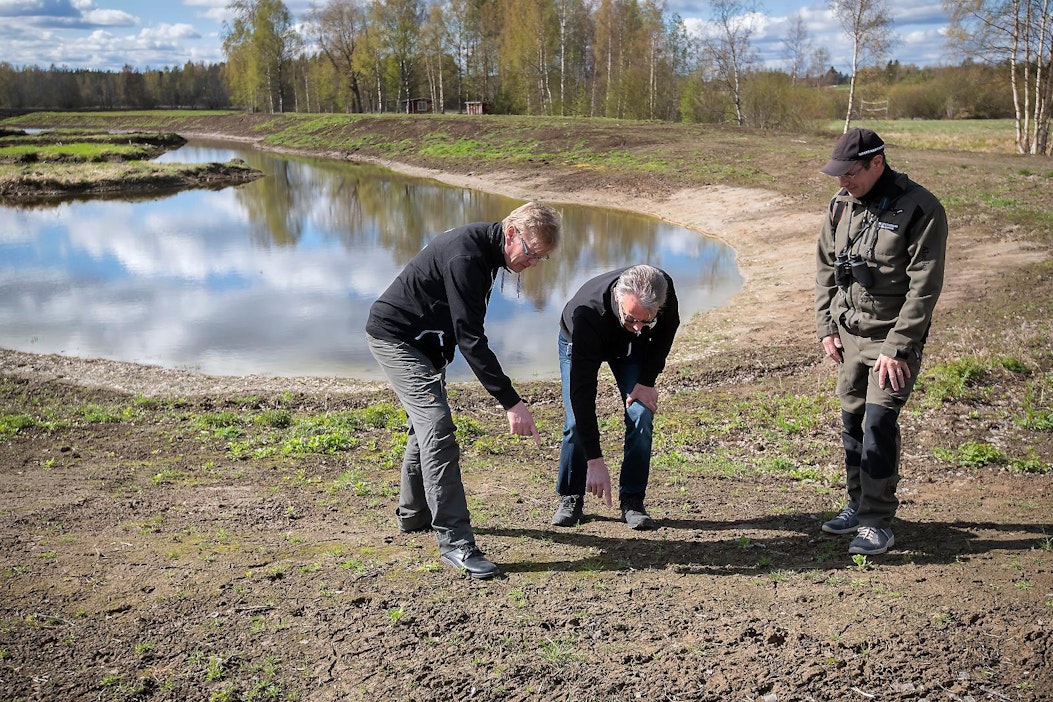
x: 109, y: 18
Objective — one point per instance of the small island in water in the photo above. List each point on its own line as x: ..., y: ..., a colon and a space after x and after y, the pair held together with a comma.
x: 53, y: 166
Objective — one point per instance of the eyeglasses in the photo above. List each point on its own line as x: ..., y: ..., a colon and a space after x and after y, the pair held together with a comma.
x: 526, y: 250
x: 851, y: 175
x: 633, y: 321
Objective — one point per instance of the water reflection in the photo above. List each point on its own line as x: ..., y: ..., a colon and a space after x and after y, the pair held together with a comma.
x: 276, y: 276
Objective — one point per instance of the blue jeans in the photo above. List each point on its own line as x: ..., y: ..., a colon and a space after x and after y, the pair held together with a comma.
x: 639, y: 421
x: 432, y: 491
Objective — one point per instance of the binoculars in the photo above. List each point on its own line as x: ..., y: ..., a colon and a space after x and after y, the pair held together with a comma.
x: 849, y: 268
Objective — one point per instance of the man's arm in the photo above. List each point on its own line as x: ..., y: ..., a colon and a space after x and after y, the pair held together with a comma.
x: 467, y: 283
x: 825, y: 285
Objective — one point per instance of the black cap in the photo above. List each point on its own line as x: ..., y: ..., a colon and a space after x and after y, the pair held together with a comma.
x: 854, y: 145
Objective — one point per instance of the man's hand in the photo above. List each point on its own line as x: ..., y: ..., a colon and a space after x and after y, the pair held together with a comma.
x: 646, y: 396
x: 834, y: 349
x: 598, y: 480
x: 521, y: 422
x: 896, y: 370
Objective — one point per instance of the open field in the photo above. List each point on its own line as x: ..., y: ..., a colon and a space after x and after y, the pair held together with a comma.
x: 171, y: 536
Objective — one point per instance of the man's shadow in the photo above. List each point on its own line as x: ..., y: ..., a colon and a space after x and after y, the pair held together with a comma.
x: 762, y: 545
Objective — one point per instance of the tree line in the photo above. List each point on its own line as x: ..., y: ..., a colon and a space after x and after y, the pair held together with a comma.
x: 630, y: 59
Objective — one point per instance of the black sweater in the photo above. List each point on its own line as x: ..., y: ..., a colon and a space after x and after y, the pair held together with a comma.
x: 591, y: 323
x: 438, y: 302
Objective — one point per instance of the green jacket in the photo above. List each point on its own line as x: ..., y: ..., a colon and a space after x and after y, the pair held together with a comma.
x: 900, y: 229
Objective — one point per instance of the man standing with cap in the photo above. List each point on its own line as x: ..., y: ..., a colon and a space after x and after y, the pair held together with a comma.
x: 880, y: 264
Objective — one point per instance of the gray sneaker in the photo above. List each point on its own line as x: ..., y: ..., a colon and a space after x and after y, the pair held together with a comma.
x: 569, y: 511
x: 870, y: 541
x: 844, y: 523
x: 635, y: 515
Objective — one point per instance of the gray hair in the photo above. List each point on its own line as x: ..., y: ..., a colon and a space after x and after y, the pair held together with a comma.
x: 646, y: 283
x: 538, y: 223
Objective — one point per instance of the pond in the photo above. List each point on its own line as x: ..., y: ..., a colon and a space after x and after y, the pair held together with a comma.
x: 276, y: 277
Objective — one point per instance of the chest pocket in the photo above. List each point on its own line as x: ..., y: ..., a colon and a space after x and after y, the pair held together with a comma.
x: 890, y: 235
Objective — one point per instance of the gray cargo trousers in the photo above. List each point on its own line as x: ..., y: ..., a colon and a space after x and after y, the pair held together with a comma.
x: 432, y: 492
x: 870, y: 433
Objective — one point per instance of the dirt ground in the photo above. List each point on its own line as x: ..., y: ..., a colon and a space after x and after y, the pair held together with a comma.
x: 157, y: 544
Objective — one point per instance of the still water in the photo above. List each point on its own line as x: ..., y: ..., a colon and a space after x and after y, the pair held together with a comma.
x: 276, y: 277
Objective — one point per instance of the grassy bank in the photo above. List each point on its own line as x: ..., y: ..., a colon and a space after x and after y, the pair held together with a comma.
x: 970, y: 164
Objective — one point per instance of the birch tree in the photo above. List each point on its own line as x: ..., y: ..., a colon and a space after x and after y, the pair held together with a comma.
x: 1018, y: 34
x: 260, y: 44
x: 798, y: 46
x: 730, y: 46
x: 869, y: 27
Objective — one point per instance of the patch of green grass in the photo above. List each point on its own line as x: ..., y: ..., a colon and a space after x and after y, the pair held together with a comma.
x: 1012, y: 364
x: 383, y: 416
x: 972, y: 454
x: 557, y: 652
x: 11, y: 424
x: 275, y: 418
x: 97, y: 414
x: 216, y: 420
x: 79, y: 152
x: 951, y: 380
x: 1030, y: 465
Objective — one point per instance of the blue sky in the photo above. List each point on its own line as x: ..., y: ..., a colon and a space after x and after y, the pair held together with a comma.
x: 108, y: 34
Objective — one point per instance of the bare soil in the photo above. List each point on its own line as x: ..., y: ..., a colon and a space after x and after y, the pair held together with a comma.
x: 141, y: 557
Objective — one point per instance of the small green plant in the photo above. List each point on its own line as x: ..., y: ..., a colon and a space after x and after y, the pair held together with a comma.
x: 1037, y: 419
x: 215, y: 669
x: 780, y: 575
x: 110, y: 680
x: 354, y: 565
x: 167, y: 477
x: 395, y: 614
x: 558, y: 653
x: 862, y: 562
x: 1029, y: 465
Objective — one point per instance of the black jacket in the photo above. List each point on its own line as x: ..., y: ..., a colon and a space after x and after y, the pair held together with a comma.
x: 590, y: 322
x: 438, y: 303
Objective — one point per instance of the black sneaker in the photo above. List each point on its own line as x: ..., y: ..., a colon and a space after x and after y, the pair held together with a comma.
x: 469, y: 559
x: 569, y: 511
x: 871, y: 541
x: 846, y: 522
x: 635, y: 515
